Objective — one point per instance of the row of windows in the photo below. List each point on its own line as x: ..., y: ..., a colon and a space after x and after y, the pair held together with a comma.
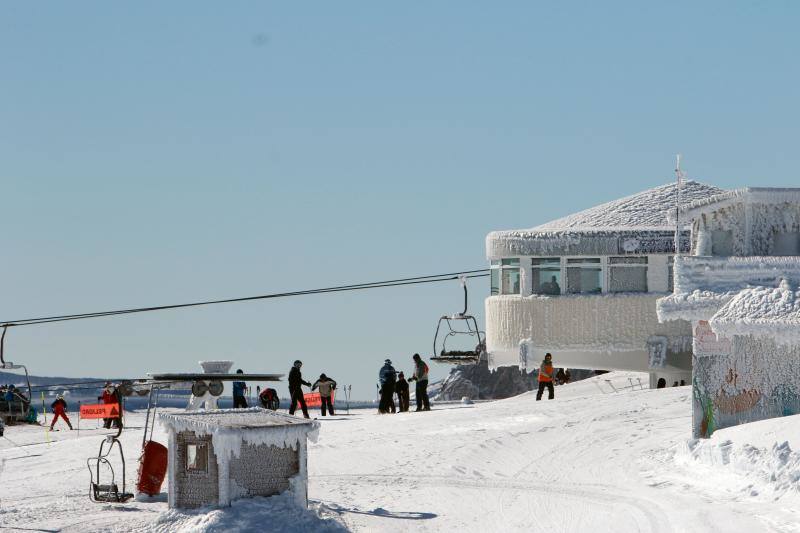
x: 580, y: 275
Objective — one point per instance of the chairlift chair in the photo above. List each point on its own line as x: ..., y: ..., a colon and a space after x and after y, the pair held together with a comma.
x: 459, y: 357
x: 107, y: 492
x: 15, y: 410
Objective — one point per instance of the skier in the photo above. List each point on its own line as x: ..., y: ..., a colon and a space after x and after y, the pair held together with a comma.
x: 111, y: 395
x: 296, y: 389
x: 421, y: 377
x: 561, y: 378
x: 326, y: 386
x: 238, y: 392
x: 546, y: 378
x: 402, y: 392
x: 269, y: 399
x: 387, y: 377
x: 59, y: 410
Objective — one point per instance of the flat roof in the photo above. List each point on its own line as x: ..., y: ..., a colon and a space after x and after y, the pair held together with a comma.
x: 240, y: 419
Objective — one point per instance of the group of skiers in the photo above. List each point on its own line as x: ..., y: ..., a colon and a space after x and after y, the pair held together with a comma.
x: 109, y: 395
x: 393, y: 382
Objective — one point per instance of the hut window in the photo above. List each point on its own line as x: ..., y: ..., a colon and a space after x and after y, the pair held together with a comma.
x: 509, y: 276
x: 197, y: 457
x: 584, y: 275
x: 627, y: 274
x: 546, y: 275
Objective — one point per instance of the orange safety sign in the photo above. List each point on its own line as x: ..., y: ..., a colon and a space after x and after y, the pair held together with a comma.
x: 313, y: 399
x: 100, y: 410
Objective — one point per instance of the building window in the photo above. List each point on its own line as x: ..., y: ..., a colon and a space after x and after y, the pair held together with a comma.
x: 546, y: 275
x: 495, y: 278
x: 504, y: 277
x: 627, y: 274
x: 786, y: 243
x: 197, y: 457
x: 584, y: 276
x: 509, y: 276
x: 671, y: 273
x: 722, y: 242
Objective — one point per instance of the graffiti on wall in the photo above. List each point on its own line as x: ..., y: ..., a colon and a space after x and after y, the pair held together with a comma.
x: 741, y: 380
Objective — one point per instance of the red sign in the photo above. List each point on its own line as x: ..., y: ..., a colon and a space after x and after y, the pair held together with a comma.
x: 313, y: 399
x: 100, y: 410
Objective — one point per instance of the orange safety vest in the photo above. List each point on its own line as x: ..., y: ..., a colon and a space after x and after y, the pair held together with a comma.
x: 548, y: 369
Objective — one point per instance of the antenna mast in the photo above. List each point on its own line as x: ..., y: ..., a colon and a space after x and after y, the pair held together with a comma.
x: 679, y: 174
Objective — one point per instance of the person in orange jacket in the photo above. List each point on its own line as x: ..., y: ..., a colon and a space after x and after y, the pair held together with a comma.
x: 546, y: 378
x: 59, y: 410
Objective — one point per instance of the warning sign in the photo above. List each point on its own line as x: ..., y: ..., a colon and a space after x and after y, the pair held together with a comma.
x: 313, y: 399
x: 100, y: 410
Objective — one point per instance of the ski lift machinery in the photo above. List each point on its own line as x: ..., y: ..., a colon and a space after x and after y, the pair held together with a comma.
x: 469, y: 328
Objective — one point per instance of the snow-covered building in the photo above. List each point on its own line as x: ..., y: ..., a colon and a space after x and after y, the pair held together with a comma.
x: 585, y: 287
x: 222, y: 455
x: 739, y: 290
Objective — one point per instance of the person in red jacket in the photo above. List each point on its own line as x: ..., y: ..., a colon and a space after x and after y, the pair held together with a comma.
x: 59, y: 410
x: 546, y: 378
x: 111, y: 395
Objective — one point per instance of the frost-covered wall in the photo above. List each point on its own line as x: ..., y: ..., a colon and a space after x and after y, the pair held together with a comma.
x: 741, y: 379
x: 250, y: 452
x: 594, y: 331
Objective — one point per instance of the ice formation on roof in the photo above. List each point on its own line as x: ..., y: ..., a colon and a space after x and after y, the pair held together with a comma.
x: 772, y: 311
x: 644, y: 210
x: 769, y: 195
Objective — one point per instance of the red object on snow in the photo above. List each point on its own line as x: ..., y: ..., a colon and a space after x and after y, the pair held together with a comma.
x: 152, y: 468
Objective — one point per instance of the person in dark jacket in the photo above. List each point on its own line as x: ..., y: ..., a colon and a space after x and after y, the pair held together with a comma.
x: 387, y: 378
x: 239, y: 387
x: 296, y: 389
x: 326, y: 387
x: 401, y: 387
x: 59, y: 411
x: 421, y: 377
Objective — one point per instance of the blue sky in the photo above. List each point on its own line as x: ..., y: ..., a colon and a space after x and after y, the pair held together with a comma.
x: 157, y: 153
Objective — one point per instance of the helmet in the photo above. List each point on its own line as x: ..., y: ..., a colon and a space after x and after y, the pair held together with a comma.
x: 239, y: 371
x: 416, y: 356
x: 387, y: 362
x: 298, y: 363
x: 323, y: 376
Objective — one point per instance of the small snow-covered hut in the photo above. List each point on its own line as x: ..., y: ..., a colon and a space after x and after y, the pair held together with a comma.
x: 739, y: 290
x: 222, y: 455
x: 584, y: 287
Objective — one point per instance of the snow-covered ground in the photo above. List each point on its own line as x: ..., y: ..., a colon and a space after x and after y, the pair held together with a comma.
x: 590, y: 460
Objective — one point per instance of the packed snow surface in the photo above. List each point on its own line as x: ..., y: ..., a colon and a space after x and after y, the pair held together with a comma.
x: 590, y: 460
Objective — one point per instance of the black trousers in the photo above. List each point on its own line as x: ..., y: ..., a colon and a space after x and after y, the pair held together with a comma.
x: 402, y: 401
x: 542, y: 385
x: 387, y: 398
x: 239, y: 402
x: 326, y: 403
x: 423, y: 403
x: 297, y: 397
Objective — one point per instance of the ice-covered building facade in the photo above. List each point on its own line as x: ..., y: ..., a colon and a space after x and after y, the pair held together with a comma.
x: 739, y: 290
x: 585, y: 287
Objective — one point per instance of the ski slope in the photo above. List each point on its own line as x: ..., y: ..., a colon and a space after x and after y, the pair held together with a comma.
x: 590, y: 460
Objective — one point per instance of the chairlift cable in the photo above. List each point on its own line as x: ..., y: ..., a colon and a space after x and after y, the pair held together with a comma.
x: 342, y: 288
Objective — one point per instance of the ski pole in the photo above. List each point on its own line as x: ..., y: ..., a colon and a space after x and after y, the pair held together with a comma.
x: 44, y: 411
